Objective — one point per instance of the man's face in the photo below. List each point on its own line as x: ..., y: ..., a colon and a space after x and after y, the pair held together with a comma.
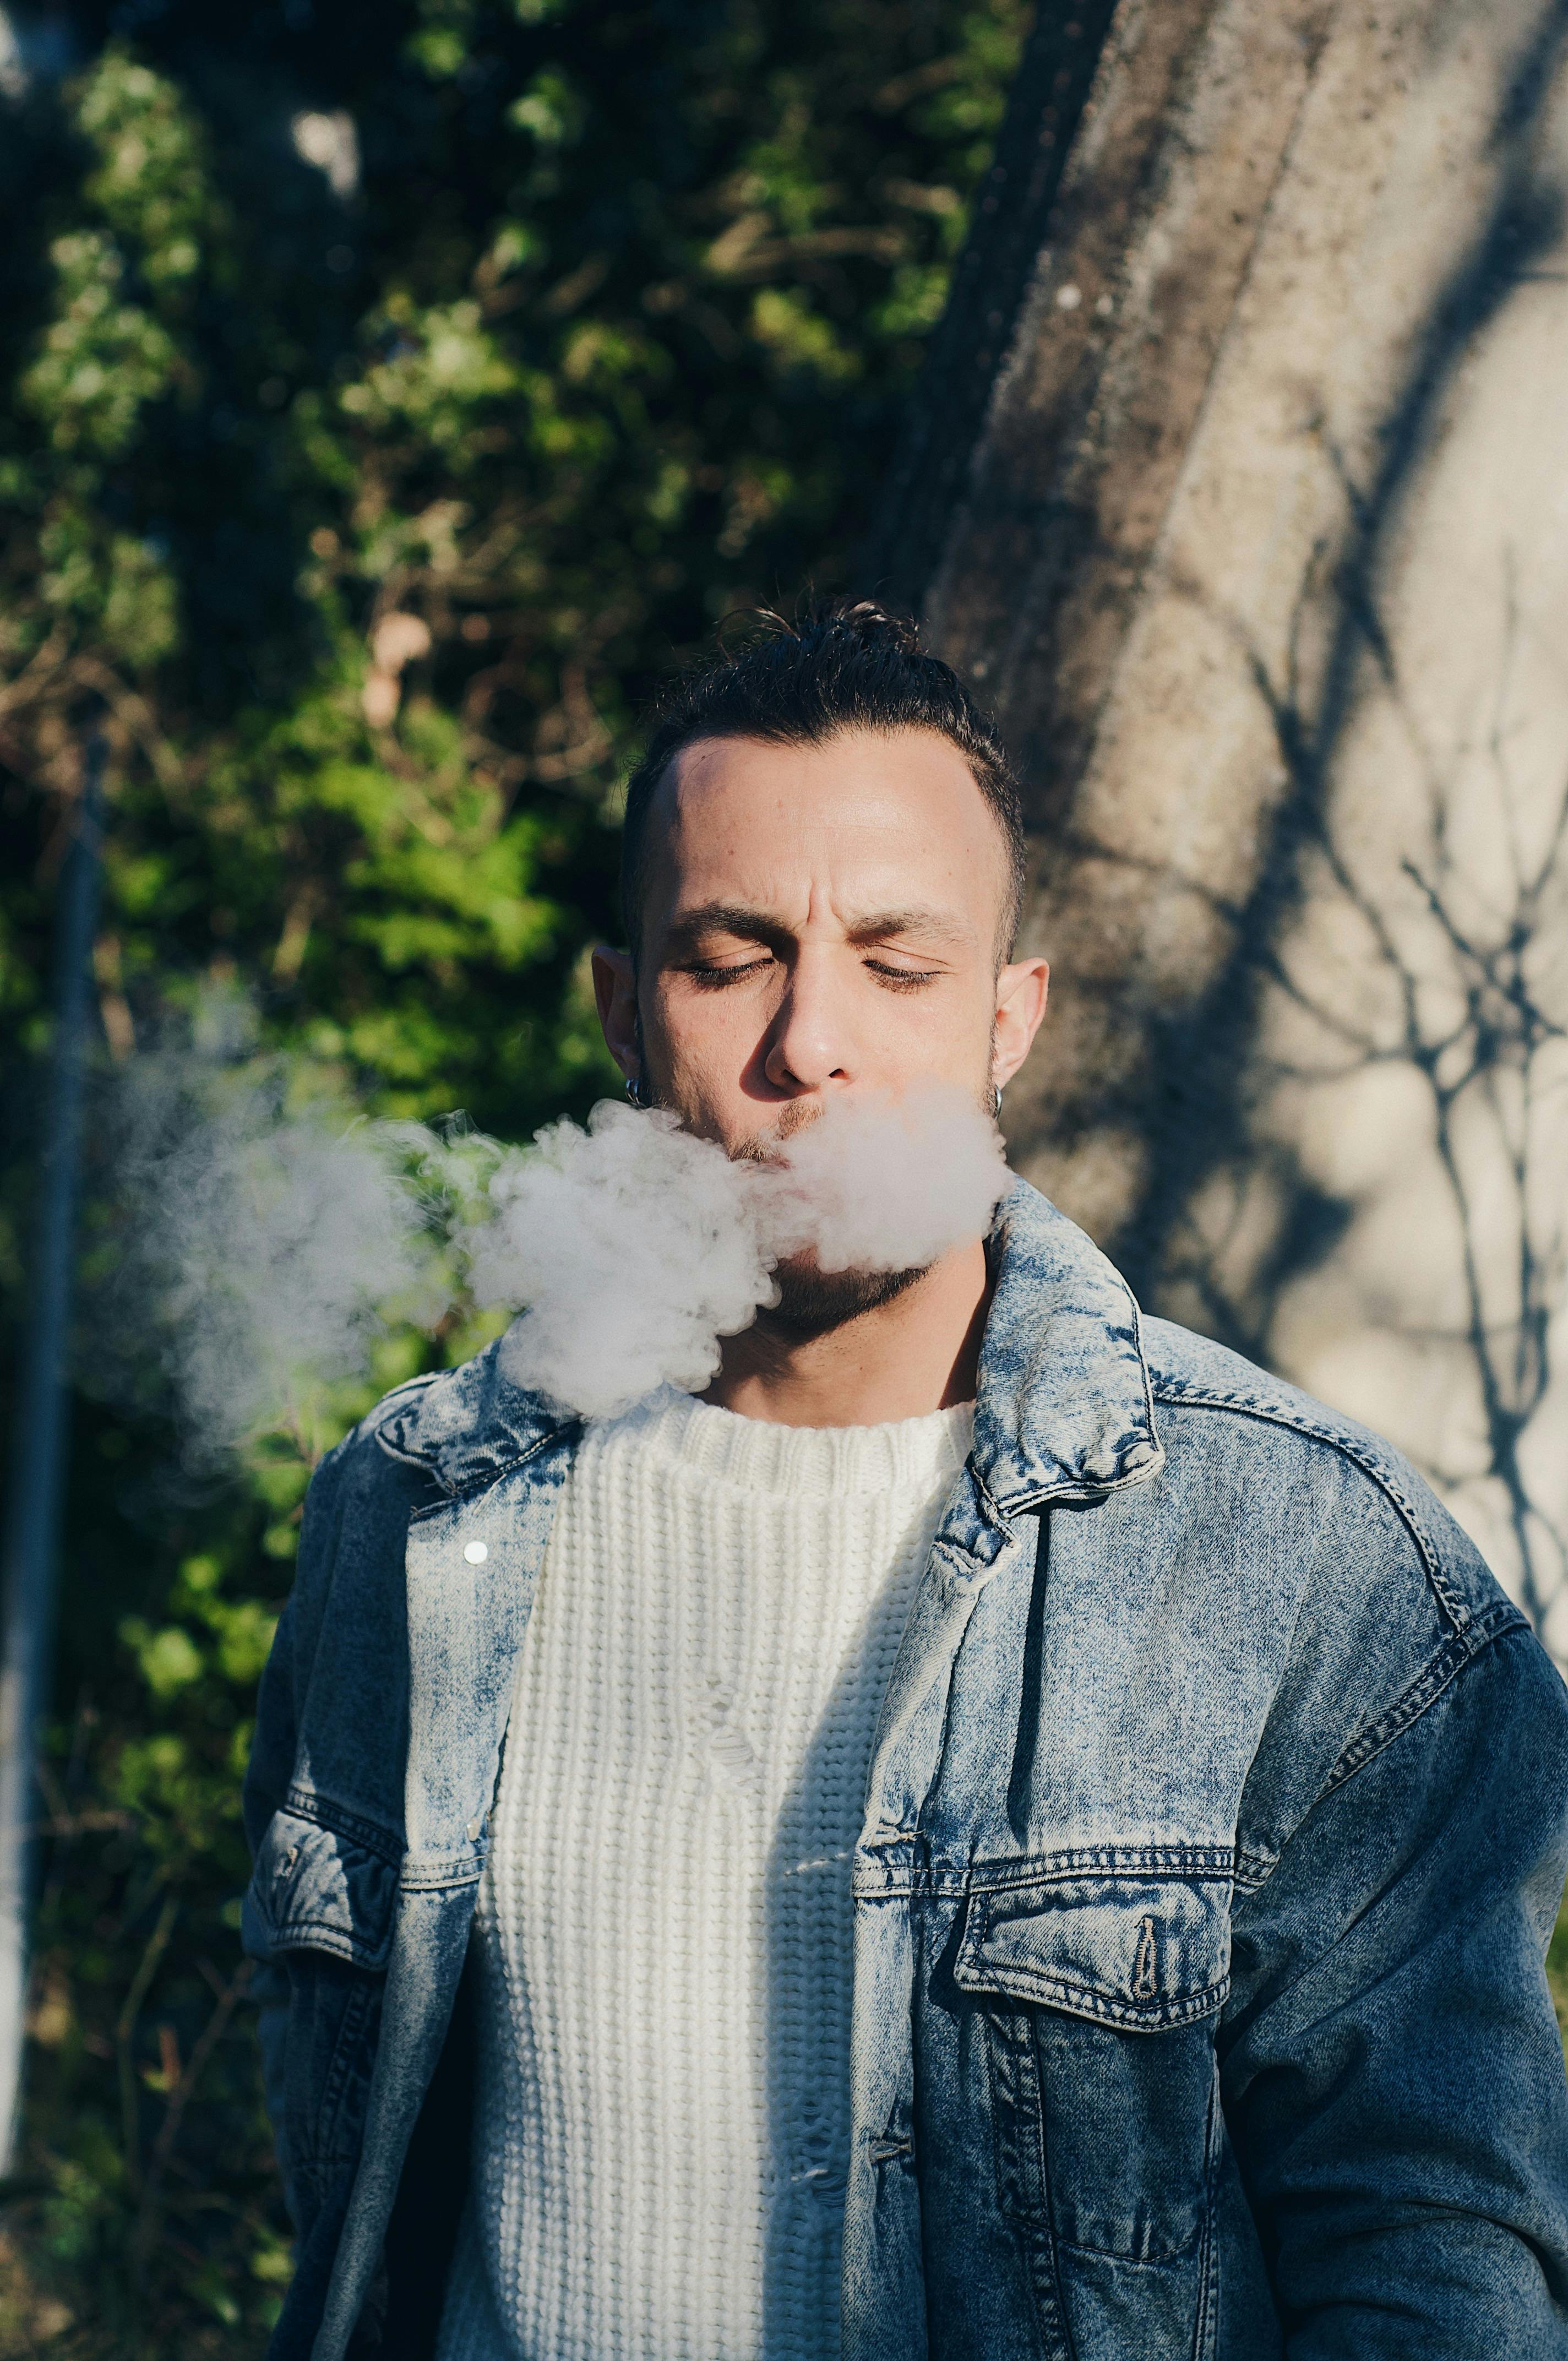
x: 817, y: 919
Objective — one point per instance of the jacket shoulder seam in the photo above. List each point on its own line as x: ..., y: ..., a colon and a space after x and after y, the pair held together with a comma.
x: 1497, y: 1621
x: 1455, y: 1607
x: 1479, y: 1633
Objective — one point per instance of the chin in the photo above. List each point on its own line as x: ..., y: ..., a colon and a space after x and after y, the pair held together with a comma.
x: 812, y: 1301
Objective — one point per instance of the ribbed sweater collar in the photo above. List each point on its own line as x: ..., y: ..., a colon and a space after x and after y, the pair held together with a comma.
x: 911, y: 1454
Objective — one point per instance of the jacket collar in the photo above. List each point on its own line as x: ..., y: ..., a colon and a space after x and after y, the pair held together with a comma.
x: 1063, y: 1408
x: 471, y: 1425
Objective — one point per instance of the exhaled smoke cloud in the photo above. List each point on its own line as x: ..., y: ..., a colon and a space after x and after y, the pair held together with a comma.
x: 885, y: 1185
x: 633, y: 1248
x: 637, y: 1248
x: 262, y: 1251
x: 259, y: 1251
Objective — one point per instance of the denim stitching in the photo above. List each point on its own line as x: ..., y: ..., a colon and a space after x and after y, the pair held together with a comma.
x: 1146, y: 1982
x: 328, y: 2127
x: 304, y: 1804
x: 483, y: 1482
x: 1178, y: 1394
x: 1082, y: 2000
x: 1188, y: 1864
x: 1428, y: 1685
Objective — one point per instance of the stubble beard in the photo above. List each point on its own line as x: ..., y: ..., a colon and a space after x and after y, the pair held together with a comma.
x: 812, y: 1303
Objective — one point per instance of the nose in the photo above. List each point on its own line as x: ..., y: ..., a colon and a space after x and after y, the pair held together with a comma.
x: 807, y: 1043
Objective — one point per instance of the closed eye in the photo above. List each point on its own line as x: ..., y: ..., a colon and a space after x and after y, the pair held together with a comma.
x: 901, y: 979
x: 709, y: 977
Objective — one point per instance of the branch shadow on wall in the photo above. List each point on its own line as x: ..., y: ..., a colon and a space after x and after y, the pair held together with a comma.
x: 1195, y: 1095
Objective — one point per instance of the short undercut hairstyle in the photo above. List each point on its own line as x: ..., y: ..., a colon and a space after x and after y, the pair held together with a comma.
x: 848, y: 665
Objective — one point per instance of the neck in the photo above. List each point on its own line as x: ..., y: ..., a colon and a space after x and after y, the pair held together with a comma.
x: 916, y: 1354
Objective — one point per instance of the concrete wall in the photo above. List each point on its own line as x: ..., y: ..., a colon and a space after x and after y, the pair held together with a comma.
x: 1261, y: 551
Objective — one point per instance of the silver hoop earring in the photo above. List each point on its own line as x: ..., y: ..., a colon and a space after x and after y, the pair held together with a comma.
x: 634, y: 1092
x: 995, y: 1101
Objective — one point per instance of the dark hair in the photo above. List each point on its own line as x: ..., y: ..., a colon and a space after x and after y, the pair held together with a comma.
x: 848, y: 665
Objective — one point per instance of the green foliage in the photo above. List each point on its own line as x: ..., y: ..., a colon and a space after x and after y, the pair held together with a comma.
x: 149, y: 2220
x: 392, y: 398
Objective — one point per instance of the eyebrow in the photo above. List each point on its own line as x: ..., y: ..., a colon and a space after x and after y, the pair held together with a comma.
x: 686, y: 930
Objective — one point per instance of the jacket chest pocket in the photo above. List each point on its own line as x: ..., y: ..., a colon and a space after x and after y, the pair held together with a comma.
x: 1099, y: 1997
x: 319, y: 1912
x: 315, y: 1889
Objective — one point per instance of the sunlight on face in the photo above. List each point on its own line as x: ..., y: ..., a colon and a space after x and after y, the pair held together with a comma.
x: 820, y: 919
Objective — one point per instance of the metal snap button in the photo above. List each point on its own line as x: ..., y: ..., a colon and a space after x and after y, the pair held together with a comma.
x: 475, y: 1552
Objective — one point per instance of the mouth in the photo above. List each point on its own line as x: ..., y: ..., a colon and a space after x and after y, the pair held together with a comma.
x: 771, y: 1147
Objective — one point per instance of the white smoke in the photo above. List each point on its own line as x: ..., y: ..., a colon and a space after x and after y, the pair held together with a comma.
x: 886, y: 1184
x: 636, y: 1248
x: 631, y: 1245
x: 259, y: 1249
x: 263, y: 1248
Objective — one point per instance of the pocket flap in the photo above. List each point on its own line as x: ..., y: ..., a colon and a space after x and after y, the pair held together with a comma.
x: 314, y: 1890
x: 1142, y: 1953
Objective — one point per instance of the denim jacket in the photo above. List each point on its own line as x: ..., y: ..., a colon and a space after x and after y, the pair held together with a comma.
x: 1214, y: 1830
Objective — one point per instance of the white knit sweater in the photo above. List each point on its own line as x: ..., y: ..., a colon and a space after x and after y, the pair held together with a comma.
x: 665, y: 1922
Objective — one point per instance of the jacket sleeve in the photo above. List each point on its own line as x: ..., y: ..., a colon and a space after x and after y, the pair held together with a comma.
x: 267, y: 1779
x: 1391, y: 2069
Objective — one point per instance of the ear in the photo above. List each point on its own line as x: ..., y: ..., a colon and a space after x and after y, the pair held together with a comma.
x: 1021, y: 991
x: 615, y: 993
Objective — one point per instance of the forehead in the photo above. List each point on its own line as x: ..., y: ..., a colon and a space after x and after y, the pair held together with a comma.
x: 877, y: 819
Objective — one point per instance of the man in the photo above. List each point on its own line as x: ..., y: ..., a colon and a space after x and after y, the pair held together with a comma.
x: 1203, y: 1795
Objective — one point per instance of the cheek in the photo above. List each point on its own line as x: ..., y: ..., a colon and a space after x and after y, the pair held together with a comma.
x: 952, y: 1022
x: 708, y: 1034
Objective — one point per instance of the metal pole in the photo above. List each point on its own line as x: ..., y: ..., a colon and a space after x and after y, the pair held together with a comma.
x: 38, y: 1473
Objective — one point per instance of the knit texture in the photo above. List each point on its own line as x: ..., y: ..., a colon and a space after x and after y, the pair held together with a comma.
x: 664, y: 1928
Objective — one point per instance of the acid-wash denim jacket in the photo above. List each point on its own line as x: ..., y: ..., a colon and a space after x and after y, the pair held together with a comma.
x: 1214, y: 1830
